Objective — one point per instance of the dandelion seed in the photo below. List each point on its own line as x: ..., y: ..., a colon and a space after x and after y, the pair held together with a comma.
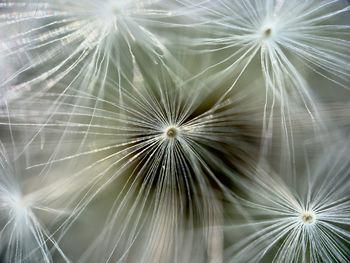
x: 23, y: 237
x: 82, y: 43
x: 288, y: 37
x: 155, y: 146
x: 306, y: 222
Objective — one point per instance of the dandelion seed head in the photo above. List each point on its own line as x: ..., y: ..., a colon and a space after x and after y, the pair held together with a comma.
x: 311, y: 224
x: 63, y: 38
x: 284, y: 34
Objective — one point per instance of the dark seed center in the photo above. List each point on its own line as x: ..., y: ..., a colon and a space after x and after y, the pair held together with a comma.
x: 308, y: 218
x: 268, y: 32
x: 171, y: 132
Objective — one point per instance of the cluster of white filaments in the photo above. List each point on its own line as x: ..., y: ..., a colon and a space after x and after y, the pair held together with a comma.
x: 163, y: 136
x: 98, y: 34
x: 281, y: 34
x: 129, y: 116
x: 310, y: 228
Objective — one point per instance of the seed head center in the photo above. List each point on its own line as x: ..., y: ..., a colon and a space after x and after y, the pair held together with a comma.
x: 308, y: 217
x: 171, y: 132
x: 268, y: 32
